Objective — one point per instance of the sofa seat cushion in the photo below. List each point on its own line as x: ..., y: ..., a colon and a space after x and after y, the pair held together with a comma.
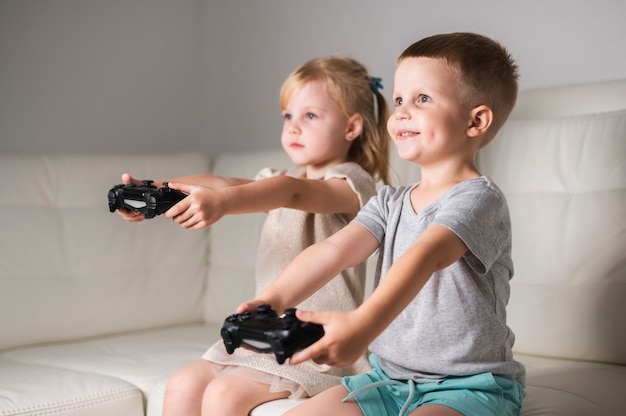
x: 144, y: 360
x: 569, y: 388
x: 38, y: 390
x: 276, y: 407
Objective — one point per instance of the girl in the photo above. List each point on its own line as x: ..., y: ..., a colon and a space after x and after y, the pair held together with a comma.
x: 334, y: 130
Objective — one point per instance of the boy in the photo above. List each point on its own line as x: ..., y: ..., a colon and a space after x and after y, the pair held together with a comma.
x: 436, y: 322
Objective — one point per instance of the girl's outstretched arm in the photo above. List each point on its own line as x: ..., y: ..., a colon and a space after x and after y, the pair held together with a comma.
x: 213, y: 181
x: 204, y: 206
x: 203, y: 179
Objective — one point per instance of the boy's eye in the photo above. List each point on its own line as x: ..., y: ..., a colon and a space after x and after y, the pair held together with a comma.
x: 287, y: 116
x: 423, y: 98
x: 310, y: 116
x: 397, y: 101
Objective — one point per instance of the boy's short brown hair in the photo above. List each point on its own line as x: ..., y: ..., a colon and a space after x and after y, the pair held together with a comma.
x: 483, y: 68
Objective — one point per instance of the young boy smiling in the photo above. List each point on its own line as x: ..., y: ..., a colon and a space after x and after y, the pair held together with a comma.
x: 436, y: 322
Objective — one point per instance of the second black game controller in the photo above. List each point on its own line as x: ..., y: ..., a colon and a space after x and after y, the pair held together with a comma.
x: 264, y: 331
x: 145, y: 199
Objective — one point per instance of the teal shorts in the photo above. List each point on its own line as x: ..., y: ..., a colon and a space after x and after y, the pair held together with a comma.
x: 479, y: 394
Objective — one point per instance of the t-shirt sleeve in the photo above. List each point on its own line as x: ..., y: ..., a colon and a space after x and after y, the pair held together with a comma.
x: 376, y: 213
x: 479, y: 215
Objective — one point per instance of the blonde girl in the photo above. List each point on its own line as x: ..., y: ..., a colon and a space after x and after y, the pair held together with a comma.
x: 334, y: 131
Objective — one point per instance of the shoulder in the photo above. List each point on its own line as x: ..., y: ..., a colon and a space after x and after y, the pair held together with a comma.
x: 267, y: 172
x: 359, y: 180
x: 348, y: 170
x: 391, y: 193
x: 478, y: 191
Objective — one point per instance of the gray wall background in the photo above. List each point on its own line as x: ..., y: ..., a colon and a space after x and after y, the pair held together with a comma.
x: 204, y: 75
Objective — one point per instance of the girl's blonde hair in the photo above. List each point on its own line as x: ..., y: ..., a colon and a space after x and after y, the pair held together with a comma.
x: 349, y: 83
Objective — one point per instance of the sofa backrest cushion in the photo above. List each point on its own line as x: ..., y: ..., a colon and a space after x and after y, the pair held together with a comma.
x: 565, y: 180
x: 71, y: 269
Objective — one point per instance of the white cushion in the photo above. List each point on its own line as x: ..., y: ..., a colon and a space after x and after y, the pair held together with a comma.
x: 276, y: 407
x: 35, y: 390
x: 565, y: 181
x: 569, y: 388
x: 571, y: 100
x: 85, y: 271
x: 142, y: 359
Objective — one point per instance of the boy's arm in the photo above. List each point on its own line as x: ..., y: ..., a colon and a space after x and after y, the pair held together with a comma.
x: 316, y: 266
x: 348, y: 334
x: 205, y: 206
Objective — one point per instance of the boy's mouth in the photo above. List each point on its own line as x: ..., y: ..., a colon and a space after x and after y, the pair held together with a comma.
x: 406, y: 134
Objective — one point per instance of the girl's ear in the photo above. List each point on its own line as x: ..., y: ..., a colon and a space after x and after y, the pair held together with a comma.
x: 354, y: 127
x: 481, y: 118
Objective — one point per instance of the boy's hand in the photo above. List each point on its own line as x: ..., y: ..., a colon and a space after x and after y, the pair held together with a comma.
x: 343, y: 343
x: 200, y: 209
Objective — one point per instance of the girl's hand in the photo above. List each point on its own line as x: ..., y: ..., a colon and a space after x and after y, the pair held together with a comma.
x: 126, y: 179
x: 251, y: 306
x: 201, y: 208
x: 128, y: 214
x: 343, y: 343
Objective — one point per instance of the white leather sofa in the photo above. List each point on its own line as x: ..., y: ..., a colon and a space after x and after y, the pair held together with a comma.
x: 96, y: 313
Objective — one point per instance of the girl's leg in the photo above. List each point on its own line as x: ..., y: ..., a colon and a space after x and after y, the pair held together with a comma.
x: 184, y: 389
x: 231, y: 395
x: 327, y: 403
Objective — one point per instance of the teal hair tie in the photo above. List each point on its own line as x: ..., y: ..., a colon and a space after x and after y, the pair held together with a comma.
x: 376, y: 84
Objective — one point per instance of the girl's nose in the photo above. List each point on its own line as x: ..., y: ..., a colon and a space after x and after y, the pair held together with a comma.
x: 293, y: 128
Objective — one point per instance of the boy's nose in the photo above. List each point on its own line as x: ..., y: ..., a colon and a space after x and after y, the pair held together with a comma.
x: 401, y: 113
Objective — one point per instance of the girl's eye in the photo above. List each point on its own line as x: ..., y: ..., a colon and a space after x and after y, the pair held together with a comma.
x: 397, y: 101
x: 310, y: 116
x: 423, y: 99
x: 287, y: 116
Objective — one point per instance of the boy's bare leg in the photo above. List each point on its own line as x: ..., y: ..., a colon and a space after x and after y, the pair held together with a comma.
x: 327, y: 403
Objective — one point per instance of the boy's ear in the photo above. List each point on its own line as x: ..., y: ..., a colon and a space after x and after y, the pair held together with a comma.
x: 481, y: 118
x: 355, y: 127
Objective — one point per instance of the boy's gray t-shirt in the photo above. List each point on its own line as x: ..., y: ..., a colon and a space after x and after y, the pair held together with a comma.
x: 456, y: 325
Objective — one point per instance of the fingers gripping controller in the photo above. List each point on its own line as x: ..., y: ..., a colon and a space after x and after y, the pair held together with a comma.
x: 144, y: 199
x: 264, y: 331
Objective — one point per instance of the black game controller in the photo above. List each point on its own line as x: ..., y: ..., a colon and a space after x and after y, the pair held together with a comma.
x: 145, y: 199
x: 264, y: 331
